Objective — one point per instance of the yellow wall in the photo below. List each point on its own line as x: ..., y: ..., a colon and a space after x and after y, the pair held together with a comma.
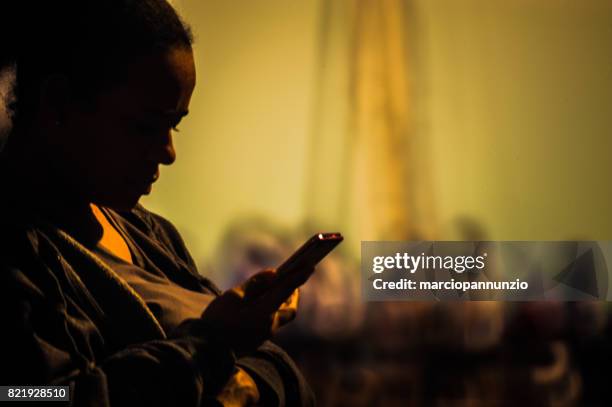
x: 517, y: 103
x: 513, y: 112
x: 241, y: 149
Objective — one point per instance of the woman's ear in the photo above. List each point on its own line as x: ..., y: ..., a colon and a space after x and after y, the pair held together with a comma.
x: 55, y: 98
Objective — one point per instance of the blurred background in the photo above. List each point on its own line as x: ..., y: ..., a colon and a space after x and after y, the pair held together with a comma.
x: 392, y: 119
x: 403, y: 120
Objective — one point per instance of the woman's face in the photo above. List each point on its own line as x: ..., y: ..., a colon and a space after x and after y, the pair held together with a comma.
x: 110, y: 151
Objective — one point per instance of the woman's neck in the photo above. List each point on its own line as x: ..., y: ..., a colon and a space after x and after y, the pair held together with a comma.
x: 38, y: 189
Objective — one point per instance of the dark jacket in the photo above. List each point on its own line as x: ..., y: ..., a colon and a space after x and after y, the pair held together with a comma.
x: 68, y: 319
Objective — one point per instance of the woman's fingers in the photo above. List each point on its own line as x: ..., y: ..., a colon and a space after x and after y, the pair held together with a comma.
x: 287, y: 311
x: 249, y: 313
x: 283, y: 317
x: 258, y: 284
x: 227, y: 304
x: 278, y: 293
x: 266, y: 291
x: 292, y: 301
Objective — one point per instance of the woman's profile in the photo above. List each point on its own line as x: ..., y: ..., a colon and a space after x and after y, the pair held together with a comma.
x: 96, y: 292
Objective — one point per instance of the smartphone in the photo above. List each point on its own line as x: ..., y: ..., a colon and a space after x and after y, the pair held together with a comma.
x: 310, y: 253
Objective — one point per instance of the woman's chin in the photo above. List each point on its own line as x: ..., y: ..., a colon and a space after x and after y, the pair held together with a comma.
x: 122, y: 203
x: 124, y: 198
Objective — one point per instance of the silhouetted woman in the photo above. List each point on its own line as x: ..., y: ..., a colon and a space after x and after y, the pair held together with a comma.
x: 97, y: 292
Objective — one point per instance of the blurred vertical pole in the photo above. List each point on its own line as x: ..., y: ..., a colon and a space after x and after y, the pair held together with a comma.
x: 363, y: 176
x: 380, y: 120
x: 330, y: 142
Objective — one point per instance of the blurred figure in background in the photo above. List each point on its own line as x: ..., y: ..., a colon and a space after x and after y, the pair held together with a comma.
x: 480, y: 353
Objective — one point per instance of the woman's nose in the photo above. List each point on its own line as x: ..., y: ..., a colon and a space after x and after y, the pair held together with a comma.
x: 162, y: 151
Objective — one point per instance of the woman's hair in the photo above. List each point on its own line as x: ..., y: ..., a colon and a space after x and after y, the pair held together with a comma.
x: 90, y: 43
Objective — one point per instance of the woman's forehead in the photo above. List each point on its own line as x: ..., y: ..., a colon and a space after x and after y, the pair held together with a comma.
x: 160, y: 83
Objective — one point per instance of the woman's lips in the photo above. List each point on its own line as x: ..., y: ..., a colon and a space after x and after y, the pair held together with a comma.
x: 155, y: 176
x: 144, y: 186
x: 151, y: 182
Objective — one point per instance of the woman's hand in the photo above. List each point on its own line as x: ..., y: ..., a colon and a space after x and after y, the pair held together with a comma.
x: 248, y: 314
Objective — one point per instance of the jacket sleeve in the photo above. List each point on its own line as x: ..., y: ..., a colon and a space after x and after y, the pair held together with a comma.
x: 278, y: 378
x: 44, y: 341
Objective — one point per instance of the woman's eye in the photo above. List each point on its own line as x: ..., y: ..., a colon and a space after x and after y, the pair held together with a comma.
x: 149, y: 130
x: 144, y: 128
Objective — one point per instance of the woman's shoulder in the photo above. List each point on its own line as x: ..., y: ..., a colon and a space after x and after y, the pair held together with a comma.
x: 165, y: 233
x: 151, y: 220
x: 150, y: 223
x: 159, y: 228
